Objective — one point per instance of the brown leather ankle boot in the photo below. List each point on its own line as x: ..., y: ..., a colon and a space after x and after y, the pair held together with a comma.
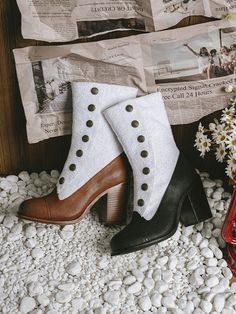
x: 94, y: 167
x: 108, y: 188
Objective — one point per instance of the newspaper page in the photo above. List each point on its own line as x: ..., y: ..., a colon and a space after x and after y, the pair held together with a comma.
x: 168, y: 13
x: 45, y: 75
x: 67, y: 20
x: 190, y: 67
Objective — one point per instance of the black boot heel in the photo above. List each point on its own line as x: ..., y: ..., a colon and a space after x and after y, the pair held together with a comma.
x: 195, y: 207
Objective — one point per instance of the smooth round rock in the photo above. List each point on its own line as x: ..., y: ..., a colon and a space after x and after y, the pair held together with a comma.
x: 212, y: 282
x: 73, y: 268
x: 129, y: 280
x: 156, y: 299
x: 27, y: 304
x: 112, y: 297
x: 134, y: 288
x: 145, y: 303
x: 43, y: 300
x: 168, y: 302
x: 219, y: 302
x: 63, y: 297
x: 37, y: 253
x: 30, y: 232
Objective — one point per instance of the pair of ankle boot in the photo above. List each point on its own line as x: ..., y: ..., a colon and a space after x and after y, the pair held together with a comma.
x: 107, y: 120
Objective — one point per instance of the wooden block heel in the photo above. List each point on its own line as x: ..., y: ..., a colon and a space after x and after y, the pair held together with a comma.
x: 112, y: 207
x: 195, y: 207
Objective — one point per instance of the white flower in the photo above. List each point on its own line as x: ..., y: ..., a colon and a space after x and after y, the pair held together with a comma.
x: 229, y: 88
x: 212, y: 126
x: 229, y: 172
x: 219, y: 135
x: 229, y: 110
x: 203, y: 144
x: 231, y: 165
x: 228, y: 115
x: 220, y: 153
x: 231, y: 142
x: 199, y: 134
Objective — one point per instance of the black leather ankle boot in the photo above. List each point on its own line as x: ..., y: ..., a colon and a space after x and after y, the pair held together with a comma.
x: 184, y: 200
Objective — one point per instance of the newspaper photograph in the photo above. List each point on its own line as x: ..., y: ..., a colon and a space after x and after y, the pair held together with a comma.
x: 67, y: 20
x: 190, y: 68
x: 45, y: 82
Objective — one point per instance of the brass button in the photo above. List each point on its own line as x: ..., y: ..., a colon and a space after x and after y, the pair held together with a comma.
x: 129, y: 108
x: 135, y: 123
x: 72, y: 167
x: 89, y: 123
x: 62, y: 180
x: 140, y: 202
x: 85, y: 138
x: 144, y: 186
x: 141, y: 138
x: 91, y: 107
x: 144, y: 153
x: 79, y: 153
x: 146, y: 170
x: 94, y: 90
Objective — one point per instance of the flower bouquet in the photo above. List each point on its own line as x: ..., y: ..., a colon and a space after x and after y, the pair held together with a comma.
x: 220, y: 137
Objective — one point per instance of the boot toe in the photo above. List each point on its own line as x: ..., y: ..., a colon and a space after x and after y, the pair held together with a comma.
x: 127, y: 241
x: 33, y: 209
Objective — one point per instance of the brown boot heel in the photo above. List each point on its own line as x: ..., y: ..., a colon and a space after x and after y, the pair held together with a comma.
x: 112, y: 207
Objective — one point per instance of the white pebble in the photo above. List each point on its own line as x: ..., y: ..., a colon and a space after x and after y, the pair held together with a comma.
x: 212, y: 281
x: 162, y: 261
x: 208, y: 183
x: 168, y: 302
x: 112, y: 297
x: 35, y: 288
x: 67, y: 286
x: 30, y: 232
x: 212, y: 270
x: 216, y: 195
x: 149, y: 283
x: 77, y: 303
x: 27, y: 304
x: 211, y: 262
x: 134, y: 288
x: 206, y: 306
x: 231, y: 301
x: 17, y: 229
x: 43, y: 300
x: 37, y: 253
x: 192, y: 252
x: 63, y: 297
x: 24, y: 176
x: 139, y: 275
x: 172, y: 263
x: 222, y: 286
x: 74, y: 268
x: 8, y: 222
x: 129, y: 280
x: 219, y: 302
x: 206, y: 252
x: 161, y: 286
x: 219, y: 206
x: 167, y: 275
x: 12, y: 178
x: 145, y: 303
x: 156, y: 299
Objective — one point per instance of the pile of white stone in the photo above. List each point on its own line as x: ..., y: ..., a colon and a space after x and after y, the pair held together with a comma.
x: 52, y: 269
